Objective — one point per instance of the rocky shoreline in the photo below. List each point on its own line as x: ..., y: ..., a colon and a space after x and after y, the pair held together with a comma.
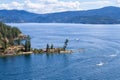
x: 39, y: 51
x: 55, y: 50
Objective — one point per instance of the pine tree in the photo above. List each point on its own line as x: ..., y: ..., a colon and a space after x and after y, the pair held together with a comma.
x: 28, y: 44
x: 51, y: 46
x: 47, y: 47
x: 65, y: 44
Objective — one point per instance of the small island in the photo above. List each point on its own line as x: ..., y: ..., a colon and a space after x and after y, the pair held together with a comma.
x: 51, y: 49
x: 14, y: 42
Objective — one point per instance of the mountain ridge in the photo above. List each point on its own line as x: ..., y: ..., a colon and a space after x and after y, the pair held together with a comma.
x: 105, y: 15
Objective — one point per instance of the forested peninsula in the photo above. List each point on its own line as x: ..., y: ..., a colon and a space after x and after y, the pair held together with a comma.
x: 14, y: 42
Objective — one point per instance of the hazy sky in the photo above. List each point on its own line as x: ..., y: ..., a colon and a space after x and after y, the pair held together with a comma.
x: 50, y: 6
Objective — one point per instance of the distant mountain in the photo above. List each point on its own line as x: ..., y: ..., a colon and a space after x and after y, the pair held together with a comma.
x: 17, y: 16
x: 106, y: 15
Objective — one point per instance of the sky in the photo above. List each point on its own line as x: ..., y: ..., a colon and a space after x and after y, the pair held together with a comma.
x: 52, y: 6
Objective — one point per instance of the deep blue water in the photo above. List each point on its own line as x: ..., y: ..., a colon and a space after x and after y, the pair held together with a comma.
x: 99, y: 60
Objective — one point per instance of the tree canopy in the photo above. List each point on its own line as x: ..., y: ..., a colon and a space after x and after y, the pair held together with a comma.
x: 8, y: 34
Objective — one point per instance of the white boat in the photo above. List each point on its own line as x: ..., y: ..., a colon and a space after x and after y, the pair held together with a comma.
x: 100, y: 64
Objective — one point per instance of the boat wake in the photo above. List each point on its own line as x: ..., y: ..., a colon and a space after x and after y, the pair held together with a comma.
x: 113, y: 55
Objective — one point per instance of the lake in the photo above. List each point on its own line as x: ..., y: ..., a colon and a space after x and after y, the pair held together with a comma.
x: 98, y: 60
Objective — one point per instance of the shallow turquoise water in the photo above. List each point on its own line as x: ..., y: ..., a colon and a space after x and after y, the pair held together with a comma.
x: 100, y: 59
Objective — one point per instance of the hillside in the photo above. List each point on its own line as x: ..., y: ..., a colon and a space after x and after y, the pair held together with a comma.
x: 7, y: 35
x: 11, y: 41
x: 106, y: 15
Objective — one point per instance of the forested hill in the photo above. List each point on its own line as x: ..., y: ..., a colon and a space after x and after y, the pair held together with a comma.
x: 106, y: 15
x: 8, y: 34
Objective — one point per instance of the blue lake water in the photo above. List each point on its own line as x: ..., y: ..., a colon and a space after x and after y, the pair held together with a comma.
x: 98, y: 60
